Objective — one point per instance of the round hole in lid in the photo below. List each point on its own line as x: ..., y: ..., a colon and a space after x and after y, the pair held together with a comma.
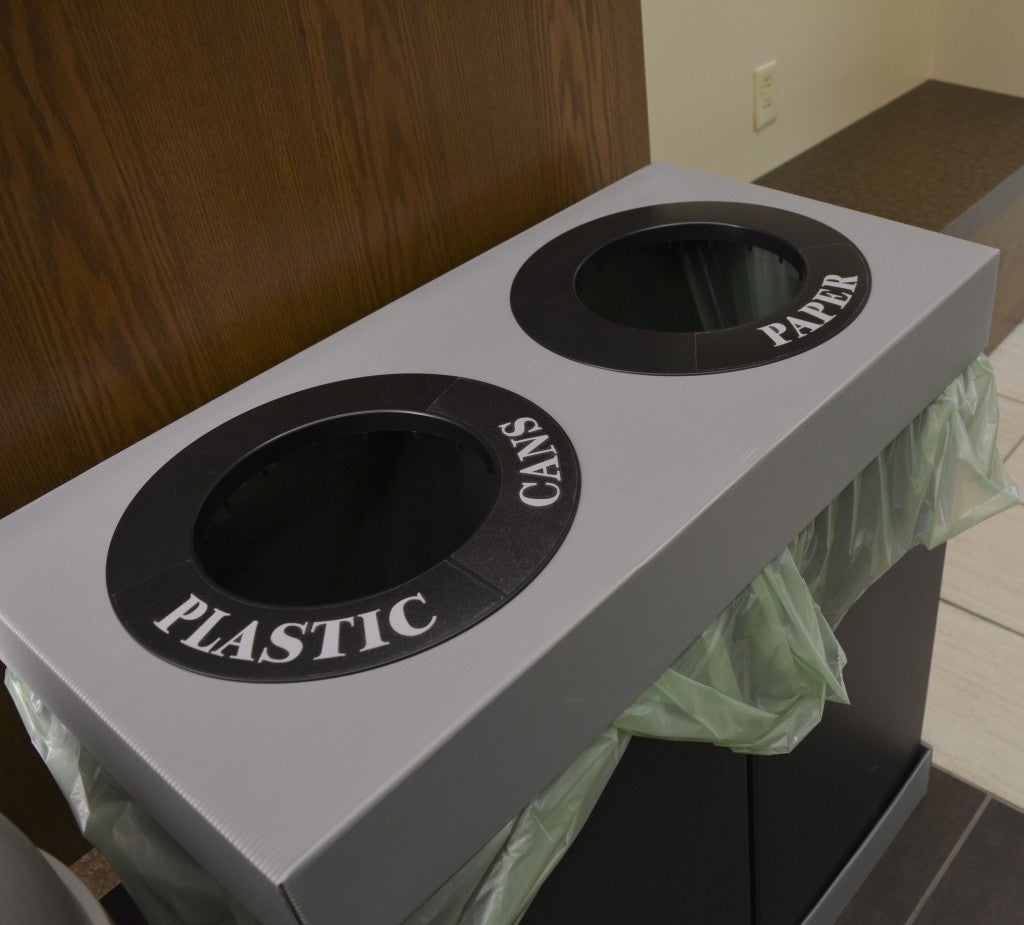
x: 221, y: 563
x: 690, y: 278
x: 345, y: 508
x: 690, y: 288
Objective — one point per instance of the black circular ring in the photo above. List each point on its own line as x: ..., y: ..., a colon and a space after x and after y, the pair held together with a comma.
x: 834, y: 286
x: 164, y: 597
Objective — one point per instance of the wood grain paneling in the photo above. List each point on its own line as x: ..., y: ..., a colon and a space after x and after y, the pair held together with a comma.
x: 192, y: 191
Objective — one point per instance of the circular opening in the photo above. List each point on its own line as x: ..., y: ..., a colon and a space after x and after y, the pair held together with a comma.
x: 345, y: 508
x: 690, y: 278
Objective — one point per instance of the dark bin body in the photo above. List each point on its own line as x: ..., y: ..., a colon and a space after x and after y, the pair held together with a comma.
x: 695, y: 833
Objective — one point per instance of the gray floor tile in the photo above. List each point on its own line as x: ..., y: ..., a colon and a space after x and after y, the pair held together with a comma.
x: 984, y: 884
x: 906, y: 870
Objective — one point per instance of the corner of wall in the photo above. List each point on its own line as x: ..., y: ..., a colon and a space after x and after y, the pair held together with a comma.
x: 837, y: 62
x: 980, y: 50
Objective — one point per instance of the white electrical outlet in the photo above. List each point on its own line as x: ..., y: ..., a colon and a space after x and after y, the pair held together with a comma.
x: 765, y: 94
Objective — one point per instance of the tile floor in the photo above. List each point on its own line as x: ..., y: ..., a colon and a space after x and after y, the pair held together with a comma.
x: 960, y: 857
x: 975, y: 713
x: 957, y: 861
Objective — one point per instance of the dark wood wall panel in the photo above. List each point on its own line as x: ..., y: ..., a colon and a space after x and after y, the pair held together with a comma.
x: 193, y: 191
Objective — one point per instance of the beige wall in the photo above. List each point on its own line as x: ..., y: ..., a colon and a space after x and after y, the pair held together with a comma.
x: 981, y: 44
x: 838, y: 61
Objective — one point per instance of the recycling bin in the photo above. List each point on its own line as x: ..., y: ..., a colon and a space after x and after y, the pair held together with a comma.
x: 615, y: 478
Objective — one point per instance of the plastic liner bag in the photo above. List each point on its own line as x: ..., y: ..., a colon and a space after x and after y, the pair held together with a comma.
x: 755, y: 680
x: 499, y: 882
x: 939, y: 477
x: 168, y: 886
x: 764, y: 700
